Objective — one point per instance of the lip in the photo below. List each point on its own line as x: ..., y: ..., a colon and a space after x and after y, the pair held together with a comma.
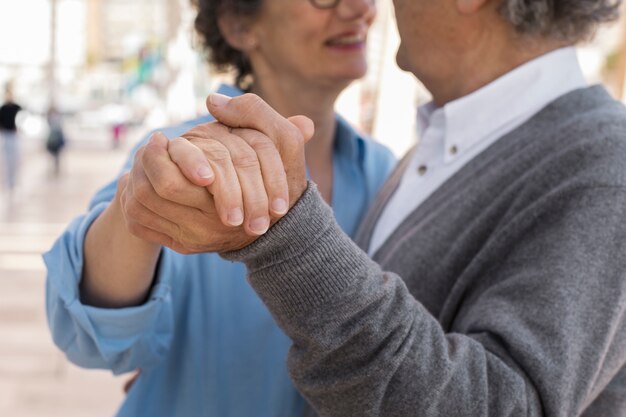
x: 347, y: 40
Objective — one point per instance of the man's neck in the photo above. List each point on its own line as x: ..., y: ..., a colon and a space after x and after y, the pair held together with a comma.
x: 486, y: 65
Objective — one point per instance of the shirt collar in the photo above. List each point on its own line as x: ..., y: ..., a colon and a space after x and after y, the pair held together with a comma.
x: 229, y: 90
x: 505, y: 103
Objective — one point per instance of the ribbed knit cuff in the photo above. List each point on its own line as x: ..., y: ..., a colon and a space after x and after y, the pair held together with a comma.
x: 303, y: 259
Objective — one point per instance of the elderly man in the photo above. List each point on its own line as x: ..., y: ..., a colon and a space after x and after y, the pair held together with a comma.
x: 495, y: 283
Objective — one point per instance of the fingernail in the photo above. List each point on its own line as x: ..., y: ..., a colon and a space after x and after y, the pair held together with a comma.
x: 205, y: 172
x: 260, y: 225
x: 235, y: 217
x: 280, y: 206
x: 218, y: 99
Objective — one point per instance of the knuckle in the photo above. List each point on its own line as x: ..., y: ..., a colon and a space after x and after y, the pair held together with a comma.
x: 178, y: 144
x: 277, y: 182
x: 295, y: 134
x: 261, y: 143
x: 215, y: 151
x: 250, y: 105
x: 179, y: 235
x: 178, y: 141
x: 166, y: 188
x: 257, y: 206
x: 139, y: 153
x: 246, y: 160
x: 251, y: 99
x: 122, y: 182
x: 133, y: 210
x: 134, y: 228
x: 142, y: 191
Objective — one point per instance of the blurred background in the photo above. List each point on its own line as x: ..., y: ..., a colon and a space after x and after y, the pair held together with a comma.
x: 113, y: 70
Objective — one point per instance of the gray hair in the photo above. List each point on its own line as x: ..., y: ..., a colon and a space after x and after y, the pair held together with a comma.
x: 571, y: 21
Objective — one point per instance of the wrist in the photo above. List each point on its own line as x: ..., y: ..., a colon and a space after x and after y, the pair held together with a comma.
x: 119, y: 267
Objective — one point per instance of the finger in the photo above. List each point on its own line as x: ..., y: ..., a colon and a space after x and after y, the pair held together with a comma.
x: 272, y: 169
x: 141, y: 204
x: 245, y: 161
x: 166, y: 178
x: 137, y: 213
x: 225, y: 189
x: 250, y: 111
x: 177, y: 228
x: 191, y: 161
x: 150, y: 235
x: 305, y: 125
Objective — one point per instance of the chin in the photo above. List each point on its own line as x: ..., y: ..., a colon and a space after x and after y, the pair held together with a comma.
x: 356, y: 70
x: 401, y: 60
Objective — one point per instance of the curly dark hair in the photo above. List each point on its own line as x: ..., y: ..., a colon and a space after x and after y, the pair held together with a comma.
x: 221, y: 55
x: 563, y: 20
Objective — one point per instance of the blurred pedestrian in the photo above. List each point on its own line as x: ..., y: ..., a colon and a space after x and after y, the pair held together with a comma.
x: 9, y: 138
x: 117, y: 133
x: 56, y: 138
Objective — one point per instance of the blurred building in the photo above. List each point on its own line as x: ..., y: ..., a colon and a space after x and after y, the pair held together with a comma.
x: 117, y: 28
x: 121, y: 61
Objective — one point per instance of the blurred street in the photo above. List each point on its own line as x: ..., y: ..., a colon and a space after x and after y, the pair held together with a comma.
x: 109, y: 71
x: 35, y: 378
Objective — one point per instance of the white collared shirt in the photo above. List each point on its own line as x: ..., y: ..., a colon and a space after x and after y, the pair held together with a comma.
x: 453, y: 135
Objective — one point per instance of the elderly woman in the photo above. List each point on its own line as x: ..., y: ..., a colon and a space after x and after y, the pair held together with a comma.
x: 496, y: 283
x: 203, y: 340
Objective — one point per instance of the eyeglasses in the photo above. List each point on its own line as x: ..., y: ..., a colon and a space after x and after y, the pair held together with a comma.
x: 324, y: 4
x: 327, y: 4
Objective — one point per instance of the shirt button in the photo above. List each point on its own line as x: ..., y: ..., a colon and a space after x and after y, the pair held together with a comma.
x: 422, y: 169
x: 453, y: 150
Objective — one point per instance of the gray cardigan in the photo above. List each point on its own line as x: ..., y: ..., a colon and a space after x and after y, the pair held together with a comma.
x: 503, y: 294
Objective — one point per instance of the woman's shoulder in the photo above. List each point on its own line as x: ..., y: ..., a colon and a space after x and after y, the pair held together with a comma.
x: 375, y: 155
x: 365, y: 144
x: 176, y: 130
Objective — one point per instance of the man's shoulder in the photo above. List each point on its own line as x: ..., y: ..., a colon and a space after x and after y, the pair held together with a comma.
x: 587, y: 107
x: 581, y: 139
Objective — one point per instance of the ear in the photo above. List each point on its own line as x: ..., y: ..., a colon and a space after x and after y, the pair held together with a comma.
x: 470, y: 6
x: 237, y: 31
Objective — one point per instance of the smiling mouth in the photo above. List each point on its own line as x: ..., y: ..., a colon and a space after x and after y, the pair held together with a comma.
x: 351, y: 40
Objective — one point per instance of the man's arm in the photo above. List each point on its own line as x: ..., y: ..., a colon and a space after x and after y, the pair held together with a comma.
x: 533, y: 341
x: 543, y: 331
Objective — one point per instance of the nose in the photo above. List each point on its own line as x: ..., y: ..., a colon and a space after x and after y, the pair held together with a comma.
x: 352, y: 9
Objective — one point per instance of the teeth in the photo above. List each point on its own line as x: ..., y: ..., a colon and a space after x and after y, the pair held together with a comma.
x: 347, y: 40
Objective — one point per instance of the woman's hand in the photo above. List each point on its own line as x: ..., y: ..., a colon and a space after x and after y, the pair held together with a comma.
x: 217, y: 188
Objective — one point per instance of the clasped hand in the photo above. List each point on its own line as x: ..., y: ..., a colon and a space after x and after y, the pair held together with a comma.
x: 222, y: 184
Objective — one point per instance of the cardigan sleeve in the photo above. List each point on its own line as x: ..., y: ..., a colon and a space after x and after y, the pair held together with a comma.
x: 546, y: 329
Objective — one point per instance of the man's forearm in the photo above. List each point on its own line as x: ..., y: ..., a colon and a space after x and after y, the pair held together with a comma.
x: 362, y: 344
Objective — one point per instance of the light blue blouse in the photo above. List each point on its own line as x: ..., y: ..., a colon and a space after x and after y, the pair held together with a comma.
x: 204, y: 341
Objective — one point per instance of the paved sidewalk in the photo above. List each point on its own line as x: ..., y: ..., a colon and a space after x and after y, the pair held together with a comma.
x: 35, y: 378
